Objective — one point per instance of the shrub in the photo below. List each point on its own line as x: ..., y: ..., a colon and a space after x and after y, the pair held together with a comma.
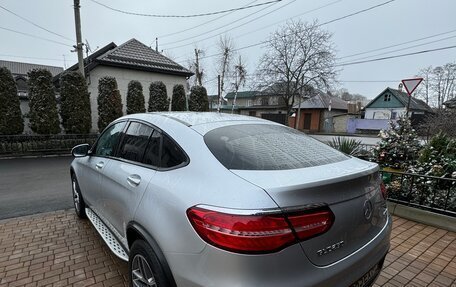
x: 135, y: 98
x: 11, y: 121
x: 44, y: 118
x: 75, y: 104
x: 158, y: 97
x: 109, y: 102
x: 178, y: 98
x: 347, y: 146
x: 198, y: 99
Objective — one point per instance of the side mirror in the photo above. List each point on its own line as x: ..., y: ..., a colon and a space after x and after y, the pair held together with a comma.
x: 81, y: 150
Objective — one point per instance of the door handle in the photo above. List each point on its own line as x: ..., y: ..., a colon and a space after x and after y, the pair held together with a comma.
x: 134, y: 180
x: 99, y: 165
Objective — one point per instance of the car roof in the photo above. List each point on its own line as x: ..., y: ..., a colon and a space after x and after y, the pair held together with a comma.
x: 198, y: 118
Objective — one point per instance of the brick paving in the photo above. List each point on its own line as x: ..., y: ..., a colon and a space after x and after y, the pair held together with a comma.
x: 57, y: 249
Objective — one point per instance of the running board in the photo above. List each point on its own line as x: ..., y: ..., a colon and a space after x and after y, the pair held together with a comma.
x: 107, y: 235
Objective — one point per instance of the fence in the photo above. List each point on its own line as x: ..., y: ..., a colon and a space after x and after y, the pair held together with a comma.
x: 431, y: 193
x: 19, y: 145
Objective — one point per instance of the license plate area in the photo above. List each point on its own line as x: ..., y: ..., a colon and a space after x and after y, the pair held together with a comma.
x: 368, y: 278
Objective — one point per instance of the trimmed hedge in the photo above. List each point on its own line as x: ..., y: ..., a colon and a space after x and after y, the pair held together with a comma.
x: 158, y: 97
x: 178, y: 98
x: 11, y: 121
x: 135, y: 98
x: 109, y: 102
x: 198, y: 100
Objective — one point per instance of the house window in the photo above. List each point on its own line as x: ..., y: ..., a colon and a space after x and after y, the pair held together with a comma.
x: 264, y: 101
x: 249, y: 103
x: 393, y: 115
x: 252, y: 113
x: 387, y: 98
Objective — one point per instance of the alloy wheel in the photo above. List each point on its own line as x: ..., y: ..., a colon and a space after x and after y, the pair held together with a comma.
x: 141, y: 273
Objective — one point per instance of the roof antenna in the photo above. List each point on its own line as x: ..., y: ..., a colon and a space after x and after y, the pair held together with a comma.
x: 156, y: 44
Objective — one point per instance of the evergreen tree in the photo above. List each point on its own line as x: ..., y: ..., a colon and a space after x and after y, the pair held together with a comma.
x: 399, y: 145
x: 178, y: 98
x: 75, y: 104
x: 158, y: 97
x: 44, y: 117
x: 198, y: 100
x: 135, y: 98
x: 109, y: 102
x: 11, y: 121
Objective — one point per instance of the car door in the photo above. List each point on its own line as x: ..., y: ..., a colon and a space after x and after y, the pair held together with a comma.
x: 94, y: 164
x: 125, y: 178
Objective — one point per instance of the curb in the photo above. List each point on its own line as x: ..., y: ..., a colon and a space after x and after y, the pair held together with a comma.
x: 423, y: 216
x: 35, y: 156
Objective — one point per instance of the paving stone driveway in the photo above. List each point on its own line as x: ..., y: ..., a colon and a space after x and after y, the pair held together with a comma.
x: 57, y: 249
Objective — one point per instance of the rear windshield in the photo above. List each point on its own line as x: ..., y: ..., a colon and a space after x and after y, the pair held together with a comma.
x: 268, y: 147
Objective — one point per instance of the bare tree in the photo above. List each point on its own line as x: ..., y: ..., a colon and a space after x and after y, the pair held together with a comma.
x: 196, y: 67
x: 225, y: 47
x: 439, y: 84
x: 239, y: 75
x: 422, y: 91
x: 298, y: 54
x: 443, y: 83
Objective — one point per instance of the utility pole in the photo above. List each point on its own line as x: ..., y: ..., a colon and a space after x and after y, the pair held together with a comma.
x: 219, y: 96
x: 79, y: 44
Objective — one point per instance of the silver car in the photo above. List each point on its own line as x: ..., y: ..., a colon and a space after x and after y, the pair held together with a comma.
x: 207, y: 199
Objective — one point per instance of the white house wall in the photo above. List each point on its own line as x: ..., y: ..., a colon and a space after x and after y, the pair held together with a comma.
x: 382, y: 114
x: 123, y: 77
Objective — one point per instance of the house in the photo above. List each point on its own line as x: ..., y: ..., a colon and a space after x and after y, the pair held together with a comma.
x: 19, y: 71
x: 132, y: 60
x: 388, y: 106
x: 450, y: 104
x: 317, y: 113
x: 391, y: 104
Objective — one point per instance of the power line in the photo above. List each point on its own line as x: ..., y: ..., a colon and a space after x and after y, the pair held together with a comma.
x: 406, y: 48
x: 225, y: 31
x: 273, y: 24
x: 396, y: 56
x: 199, y: 25
x: 34, y: 24
x: 396, y: 45
x: 27, y: 57
x: 183, y: 16
x: 325, y: 23
x: 356, y: 13
x: 36, y: 37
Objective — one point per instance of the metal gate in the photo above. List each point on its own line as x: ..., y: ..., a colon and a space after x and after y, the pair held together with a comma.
x: 278, y: 118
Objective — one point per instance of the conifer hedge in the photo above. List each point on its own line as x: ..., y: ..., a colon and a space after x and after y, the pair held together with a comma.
x: 158, y: 97
x: 75, y: 103
x: 198, y: 100
x: 135, y: 98
x: 44, y: 117
x: 109, y: 102
x: 178, y: 98
x: 11, y: 121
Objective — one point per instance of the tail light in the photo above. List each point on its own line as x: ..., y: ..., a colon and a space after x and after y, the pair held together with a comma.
x: 262, y: 233
x: 383, y: 190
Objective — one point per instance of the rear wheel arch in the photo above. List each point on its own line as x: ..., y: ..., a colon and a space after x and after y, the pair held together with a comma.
x: 136, y: 232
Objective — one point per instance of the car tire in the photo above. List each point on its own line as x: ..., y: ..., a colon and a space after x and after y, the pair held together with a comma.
x: 144, y: 267
x: 78, y: 201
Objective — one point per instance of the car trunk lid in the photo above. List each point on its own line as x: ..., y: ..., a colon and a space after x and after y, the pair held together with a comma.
x: 350, y: 188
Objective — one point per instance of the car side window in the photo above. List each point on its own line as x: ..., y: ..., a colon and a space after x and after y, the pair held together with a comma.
x: 152, y: 155
x: 134, y: 142
x: 171, y: 154
x: 107, y: 143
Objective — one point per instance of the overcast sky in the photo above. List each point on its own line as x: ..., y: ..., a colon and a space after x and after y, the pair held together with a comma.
x: 394, y: 23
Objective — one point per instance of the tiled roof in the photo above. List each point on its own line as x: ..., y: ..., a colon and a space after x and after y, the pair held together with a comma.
x: 18, y: 68
x: 242, y: 95
x: 136, y: 56
x: 322, y: 101
x: 451, y: 103
x: 402, y: 97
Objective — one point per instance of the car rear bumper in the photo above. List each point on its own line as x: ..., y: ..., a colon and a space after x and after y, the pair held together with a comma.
x: 289, y: 267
